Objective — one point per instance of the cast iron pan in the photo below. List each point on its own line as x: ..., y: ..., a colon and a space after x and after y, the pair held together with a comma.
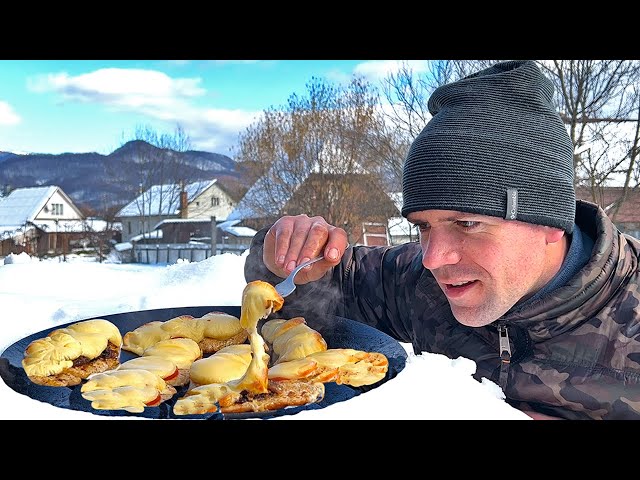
x: 338, y: 332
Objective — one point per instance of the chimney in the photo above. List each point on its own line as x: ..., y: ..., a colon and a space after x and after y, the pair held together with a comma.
x: 184, y: 206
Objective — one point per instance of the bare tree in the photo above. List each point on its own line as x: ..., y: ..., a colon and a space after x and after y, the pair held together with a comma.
x: 320, y: 154
x: 99, y: 227
x: 157, y: 161
x: 407, y: 95
x: 598, y: 100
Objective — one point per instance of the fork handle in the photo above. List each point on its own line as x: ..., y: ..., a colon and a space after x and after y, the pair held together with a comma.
x: 308, y: 262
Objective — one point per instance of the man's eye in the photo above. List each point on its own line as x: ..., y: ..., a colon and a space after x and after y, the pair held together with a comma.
x: 467, y: 224
x: 422, y: 227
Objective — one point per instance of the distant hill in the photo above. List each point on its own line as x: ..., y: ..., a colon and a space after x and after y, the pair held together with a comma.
x: 100, y: 181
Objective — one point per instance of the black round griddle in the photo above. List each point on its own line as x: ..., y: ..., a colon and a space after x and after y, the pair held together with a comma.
x: 338, y: 332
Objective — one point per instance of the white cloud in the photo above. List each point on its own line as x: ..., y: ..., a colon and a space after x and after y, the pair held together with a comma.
x: 376, y: 70
x: 120, y: 86
x: 154, y: 94
x: 7, y: 115
x: 379, y: 69
x: 215, y: 130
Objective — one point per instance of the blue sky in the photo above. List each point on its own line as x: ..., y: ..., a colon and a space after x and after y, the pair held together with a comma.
x: 57, y: 106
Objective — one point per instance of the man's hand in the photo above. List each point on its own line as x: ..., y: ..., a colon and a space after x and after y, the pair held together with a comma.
x: 295, y: 239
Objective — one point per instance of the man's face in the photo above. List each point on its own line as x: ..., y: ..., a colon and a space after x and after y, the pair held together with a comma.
x: 485, y: 265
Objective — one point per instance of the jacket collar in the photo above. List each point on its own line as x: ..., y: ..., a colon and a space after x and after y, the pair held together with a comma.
x: 588, y: 291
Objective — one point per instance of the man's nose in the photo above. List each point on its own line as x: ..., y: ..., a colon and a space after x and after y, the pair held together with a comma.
x: 439, y: 249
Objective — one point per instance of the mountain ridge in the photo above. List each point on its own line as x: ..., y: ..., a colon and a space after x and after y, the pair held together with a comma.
x: 103, y: 183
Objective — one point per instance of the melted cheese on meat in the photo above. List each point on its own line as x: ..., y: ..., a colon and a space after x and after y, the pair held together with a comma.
x: 339, y: 365
x: 119, y: 378
x: 161, y: 366
x: 294, y: 339
x: 220, y: 326
x: 184, y: 326
x: 270, y: 328
x: 181, y: 351
x: 228, y: 363
x: 216, y: 325
x: 129, y: 398
x: 94, y: 335
x: 56, y: 352
x: 146, y: 335
x: 129, y: 389
x: 51, y: 355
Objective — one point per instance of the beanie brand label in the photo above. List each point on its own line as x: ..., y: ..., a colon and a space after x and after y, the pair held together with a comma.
x: 512, y: 204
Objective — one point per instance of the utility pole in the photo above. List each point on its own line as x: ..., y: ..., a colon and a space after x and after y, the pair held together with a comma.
x: 214, y: 240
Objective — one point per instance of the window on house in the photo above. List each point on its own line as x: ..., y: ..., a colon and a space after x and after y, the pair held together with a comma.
x: 56, y: 208
x: 215, y: 201
x: 129, y: 227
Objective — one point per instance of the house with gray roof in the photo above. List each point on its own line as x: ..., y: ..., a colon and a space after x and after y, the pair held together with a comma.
x: 41, y: 221
x: 193, y: 201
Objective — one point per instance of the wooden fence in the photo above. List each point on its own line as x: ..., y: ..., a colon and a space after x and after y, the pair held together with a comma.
x: 170, y: 253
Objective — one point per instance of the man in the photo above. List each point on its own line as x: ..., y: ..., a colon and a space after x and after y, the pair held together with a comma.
x: 540, y: 290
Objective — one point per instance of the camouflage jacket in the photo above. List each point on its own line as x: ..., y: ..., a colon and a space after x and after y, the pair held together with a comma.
x: 574, y: 353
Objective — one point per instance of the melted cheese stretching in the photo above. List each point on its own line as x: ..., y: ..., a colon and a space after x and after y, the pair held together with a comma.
x: 259, y: 300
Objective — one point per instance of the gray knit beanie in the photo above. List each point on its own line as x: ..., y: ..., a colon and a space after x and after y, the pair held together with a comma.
x: 495, y: 146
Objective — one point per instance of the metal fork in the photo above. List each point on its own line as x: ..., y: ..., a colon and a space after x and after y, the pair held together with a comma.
x: 287, y: 286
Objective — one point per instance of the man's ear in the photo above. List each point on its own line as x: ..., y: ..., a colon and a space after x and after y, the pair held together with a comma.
x: 553, y: 235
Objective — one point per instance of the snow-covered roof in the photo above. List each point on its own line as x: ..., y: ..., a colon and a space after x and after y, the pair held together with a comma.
x: 124, y: 246
x: 185, y: 220
x: 271, y: 192
x: 157, y: 234
x: 269, y: 195
x: 76, y: 226
x: 228, y: 223
x: 8, y: 231
x: 68, y: 226
x: 230, y: 227
x: 240, y: 231
x: 99, y: 225
x: 181, y: 220
x: 163, y: 199
x: 23, y: 204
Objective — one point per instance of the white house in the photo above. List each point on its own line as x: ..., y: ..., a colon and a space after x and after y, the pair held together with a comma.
x: 36, y: 219
x: 197, y: 200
